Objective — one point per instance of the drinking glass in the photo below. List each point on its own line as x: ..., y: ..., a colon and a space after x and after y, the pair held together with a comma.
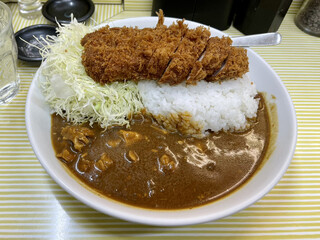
x: 30, y: 9
x: 9, y: 78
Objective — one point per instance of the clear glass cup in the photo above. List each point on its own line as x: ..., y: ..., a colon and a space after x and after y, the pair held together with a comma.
x: 308, y: 17
x: 9, y: 78
x: 30, y: 9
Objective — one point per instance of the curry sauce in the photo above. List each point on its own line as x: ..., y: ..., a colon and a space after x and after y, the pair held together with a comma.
x: 147, y: 166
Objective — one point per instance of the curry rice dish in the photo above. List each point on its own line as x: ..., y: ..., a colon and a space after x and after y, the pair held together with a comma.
x: 201, y: 133
x: 148, y: 166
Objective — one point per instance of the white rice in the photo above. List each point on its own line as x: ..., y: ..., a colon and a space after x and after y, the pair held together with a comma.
x: 215, y: 106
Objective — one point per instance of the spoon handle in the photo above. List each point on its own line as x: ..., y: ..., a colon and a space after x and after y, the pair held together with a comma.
x: 265, y: 39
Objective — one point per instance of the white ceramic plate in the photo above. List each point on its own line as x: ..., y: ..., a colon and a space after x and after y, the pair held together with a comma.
x: 38, y: 122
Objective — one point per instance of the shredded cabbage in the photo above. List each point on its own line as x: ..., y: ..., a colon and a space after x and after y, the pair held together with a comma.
x: 72, y: 94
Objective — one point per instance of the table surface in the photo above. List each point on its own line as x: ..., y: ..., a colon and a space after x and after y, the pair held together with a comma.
x: 33, y: 206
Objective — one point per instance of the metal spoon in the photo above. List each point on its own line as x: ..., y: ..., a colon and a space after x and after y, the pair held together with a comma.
x: 264, y: 39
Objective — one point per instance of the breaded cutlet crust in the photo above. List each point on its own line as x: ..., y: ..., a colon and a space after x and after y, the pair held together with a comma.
x: 212, y: 59
x: 190, y: 49
x: 117, y: 54
x: 107, y: 52
x: 165, y: 49
x: 237, y: 64
x: 165, y: 54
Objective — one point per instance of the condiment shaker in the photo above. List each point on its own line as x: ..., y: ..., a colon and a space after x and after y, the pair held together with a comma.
x: 308, y: 17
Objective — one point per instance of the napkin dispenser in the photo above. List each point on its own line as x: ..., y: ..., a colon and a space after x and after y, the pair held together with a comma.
x: 215, y: 13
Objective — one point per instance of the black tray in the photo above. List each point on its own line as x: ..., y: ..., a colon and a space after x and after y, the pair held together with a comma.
x: 27, y: 52
x: 61, y: 10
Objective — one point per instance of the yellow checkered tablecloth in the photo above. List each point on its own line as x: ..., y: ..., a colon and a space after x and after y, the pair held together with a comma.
x: 33, y: 206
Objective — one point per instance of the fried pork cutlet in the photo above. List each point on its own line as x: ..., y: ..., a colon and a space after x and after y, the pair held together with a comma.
x: 103, y: 49
x: 211, y: 60
x: 237, y: 64
x: 166, y: 54
x: 130, y: 58
x: 165, y: 49
x: 116, y: 54
x: 191, y: 47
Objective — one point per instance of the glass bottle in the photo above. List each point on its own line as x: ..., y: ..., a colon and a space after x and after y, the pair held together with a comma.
x: 30, y: 9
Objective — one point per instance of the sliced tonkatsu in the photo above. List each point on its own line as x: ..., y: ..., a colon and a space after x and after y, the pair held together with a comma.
x: 168, y: 54
x: 190, y: 49
x: 236, y: 65
x: 166, y: 47
x: 212, y: 59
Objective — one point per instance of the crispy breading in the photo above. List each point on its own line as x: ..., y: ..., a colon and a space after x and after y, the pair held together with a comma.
x: 211, y: 60
x: 165, y: 48
x: 237, y: 64
x: 116, y: 54
x: 165, y: 45
x: 190, y: 49
x: 102, y: 54
x: 160, y: 15
x: 166, y: 54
